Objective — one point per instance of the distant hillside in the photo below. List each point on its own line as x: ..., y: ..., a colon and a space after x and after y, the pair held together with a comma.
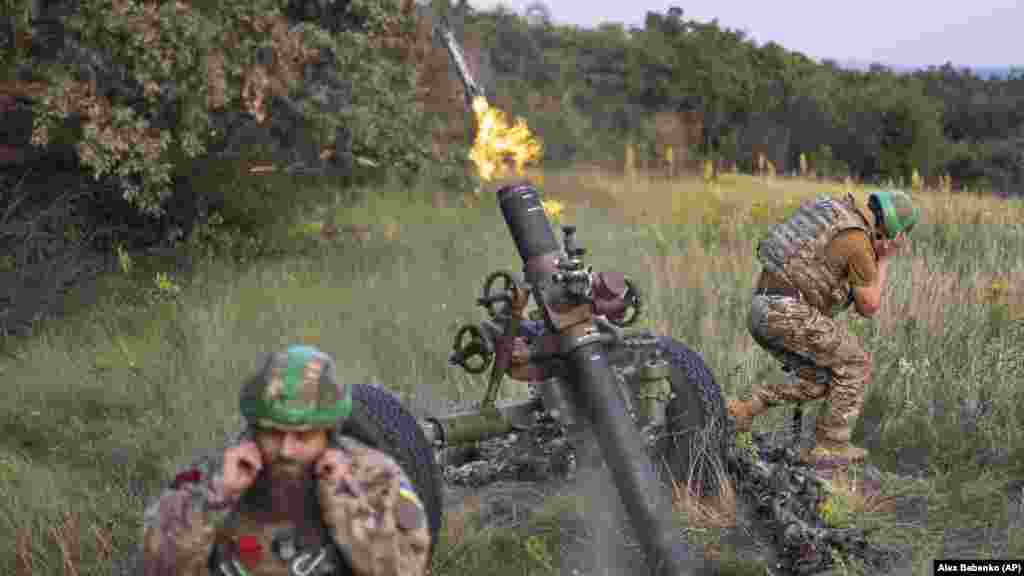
x: 711, y: 93
x: 993, y: 72
x: 984, y: 72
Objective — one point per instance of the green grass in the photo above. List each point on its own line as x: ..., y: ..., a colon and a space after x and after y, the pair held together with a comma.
x: 102, y: 405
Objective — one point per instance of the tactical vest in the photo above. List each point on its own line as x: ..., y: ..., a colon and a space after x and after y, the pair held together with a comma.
x: 794, y: 250
x: 251, y: 543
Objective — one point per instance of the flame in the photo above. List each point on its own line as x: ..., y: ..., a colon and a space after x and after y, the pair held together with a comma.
x: 497, y: 142
x: 553, y: 208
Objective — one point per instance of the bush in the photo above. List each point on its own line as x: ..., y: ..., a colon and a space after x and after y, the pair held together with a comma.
x: 142, y: 89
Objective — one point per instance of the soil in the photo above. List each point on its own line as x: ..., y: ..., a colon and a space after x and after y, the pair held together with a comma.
x: 509, y: 477
x: 512, y: 476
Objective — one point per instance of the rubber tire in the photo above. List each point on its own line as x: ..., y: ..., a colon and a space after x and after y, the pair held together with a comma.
x: 380, y: 420
x: 698, y: 406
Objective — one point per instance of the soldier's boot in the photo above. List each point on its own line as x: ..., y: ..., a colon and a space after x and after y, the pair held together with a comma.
x: 833, y: 446
x: 832, y: 451
x: 834, y: 426
x: 743, y: 412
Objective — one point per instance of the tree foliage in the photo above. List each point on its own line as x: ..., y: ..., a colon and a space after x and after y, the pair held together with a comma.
x: 148, y: 122
x: 875, y: 124
x: 145, y: 87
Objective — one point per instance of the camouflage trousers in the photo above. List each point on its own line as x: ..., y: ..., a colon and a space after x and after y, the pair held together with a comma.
x: 826, y: 360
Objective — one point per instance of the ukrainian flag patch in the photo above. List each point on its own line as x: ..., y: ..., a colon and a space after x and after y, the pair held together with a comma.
x: 406, y: 491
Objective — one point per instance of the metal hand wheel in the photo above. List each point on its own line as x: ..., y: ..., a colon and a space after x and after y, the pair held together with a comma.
x: 474, y: 355
x: 634, y: 307
x: 506, y: 296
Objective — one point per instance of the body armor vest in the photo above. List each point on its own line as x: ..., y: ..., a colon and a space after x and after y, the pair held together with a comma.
x: 794, y: 250
x: 254, y: 542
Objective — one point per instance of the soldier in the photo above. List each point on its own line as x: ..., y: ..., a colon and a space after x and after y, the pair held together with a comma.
x: 290, y: 495
x: 826, y: 257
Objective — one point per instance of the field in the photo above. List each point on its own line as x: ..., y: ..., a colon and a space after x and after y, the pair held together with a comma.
x: 102, y: 405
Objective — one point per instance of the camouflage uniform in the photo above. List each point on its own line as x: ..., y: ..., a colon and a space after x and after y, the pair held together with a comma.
x: 372, y: 523
x: 797, y: 325
x: 826, y: 359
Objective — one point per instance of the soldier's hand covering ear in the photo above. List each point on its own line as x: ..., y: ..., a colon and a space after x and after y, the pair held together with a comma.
x: 242, y: 464
x: 886, y: 248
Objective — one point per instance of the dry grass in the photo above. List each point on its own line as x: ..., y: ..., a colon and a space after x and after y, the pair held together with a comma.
x: 104, y: 542
x: 459, y: 521
x: 24, y: 557
x: 66, y: 536
x: 738, y: 207
x: 932, y: 296
x: 741, y: 197
x: 851, y: 495
x: 672, y: 273
x: 717, y: 511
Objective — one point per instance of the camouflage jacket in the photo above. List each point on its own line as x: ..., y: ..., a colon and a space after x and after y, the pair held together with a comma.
x: 375, y: 531
x: 795, y: 250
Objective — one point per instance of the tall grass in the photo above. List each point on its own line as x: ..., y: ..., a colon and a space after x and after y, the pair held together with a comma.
x: 101, y: 406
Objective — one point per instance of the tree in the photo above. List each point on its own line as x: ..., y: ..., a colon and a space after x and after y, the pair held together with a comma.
x: 537, y: 15
x: 141, y: 89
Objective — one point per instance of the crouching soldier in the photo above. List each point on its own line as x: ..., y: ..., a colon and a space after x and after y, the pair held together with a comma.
x: 290, y: 496
x: 829, y: 255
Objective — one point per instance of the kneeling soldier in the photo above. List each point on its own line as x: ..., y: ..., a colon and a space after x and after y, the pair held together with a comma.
x: 828, y: 256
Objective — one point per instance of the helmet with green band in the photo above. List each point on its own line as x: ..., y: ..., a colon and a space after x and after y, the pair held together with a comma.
x: 895, y: 210
x: 297, y: 389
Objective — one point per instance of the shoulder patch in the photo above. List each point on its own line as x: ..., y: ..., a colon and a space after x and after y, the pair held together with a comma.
x: 406, y: 491
x: 409, y: 511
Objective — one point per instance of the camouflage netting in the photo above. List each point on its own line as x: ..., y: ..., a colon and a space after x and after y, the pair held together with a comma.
x: 783, y: 496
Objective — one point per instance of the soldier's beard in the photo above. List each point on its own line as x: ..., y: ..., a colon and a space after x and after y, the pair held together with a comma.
x: 289, y: 487
x: 290, y: 472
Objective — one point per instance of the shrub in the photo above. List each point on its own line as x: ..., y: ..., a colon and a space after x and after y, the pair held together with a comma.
x: 151, y: 86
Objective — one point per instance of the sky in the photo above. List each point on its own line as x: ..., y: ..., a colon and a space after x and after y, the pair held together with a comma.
x: 893, y: 32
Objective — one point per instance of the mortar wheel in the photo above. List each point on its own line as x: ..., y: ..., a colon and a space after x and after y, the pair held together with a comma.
x: 692, y: 446
x: 380, y: 420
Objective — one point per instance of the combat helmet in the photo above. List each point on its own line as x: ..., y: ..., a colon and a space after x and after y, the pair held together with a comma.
x: 895, y: 210
x: 297, y: 389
